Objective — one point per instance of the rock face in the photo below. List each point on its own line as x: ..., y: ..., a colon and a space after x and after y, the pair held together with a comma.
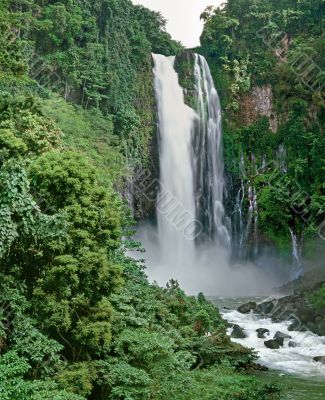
x: 298, y: 309
x: 320, y: 359
x: 292, y: 344
x: 258, y: 103
x: 294, y: 326
x: 267, y: 307
x: 238, y: 332
x: 261, y: 333
x: 280, y: 341
x: 143, y: 187
x: 248, y: 307
x: 272, y: 344
x: 184, y: 65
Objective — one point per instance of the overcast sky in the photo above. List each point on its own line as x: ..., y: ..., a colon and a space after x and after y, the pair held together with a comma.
x: 183, y: 17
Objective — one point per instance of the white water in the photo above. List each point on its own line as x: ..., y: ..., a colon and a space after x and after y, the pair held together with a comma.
x: 175, y: 205
x: 252, y: 217
x: 190, y: 155
x: 282, y: 158
x: 239, y: 231
x: 298, y: 360
x: 208, y: 159
x: 297, y: 268
x: 245, y: 230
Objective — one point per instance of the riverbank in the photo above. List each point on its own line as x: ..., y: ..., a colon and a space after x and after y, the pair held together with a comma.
x: 296, y: 387
x: 305, y: 308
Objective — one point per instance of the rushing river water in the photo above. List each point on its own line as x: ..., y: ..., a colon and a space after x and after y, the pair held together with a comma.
x: 292, y: 367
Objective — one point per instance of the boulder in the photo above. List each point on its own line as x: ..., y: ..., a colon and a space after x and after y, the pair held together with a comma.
x: 320, y: 359
x: 272, y: 344
x: 256, y: 367
x: 247, y: 307
x: 262, y: 332
x: 298, y: 305
x: 267, y: 307
x: 292, y: 344
x: 238, y: 332
x: 294, y: 326
x: 279, y: 336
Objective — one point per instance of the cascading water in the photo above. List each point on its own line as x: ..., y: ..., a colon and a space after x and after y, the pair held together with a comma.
x: 176, y: 203
x: 208, y: 160
x: 281, y: 155
x: 245, y: 223
x: 251, y: 228
x: 239, y: 232
x: 190, y: 153
x: 296, y: 360
x: 297, y: 268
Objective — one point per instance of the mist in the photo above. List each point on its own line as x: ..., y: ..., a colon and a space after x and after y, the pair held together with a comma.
x: 209, y: 270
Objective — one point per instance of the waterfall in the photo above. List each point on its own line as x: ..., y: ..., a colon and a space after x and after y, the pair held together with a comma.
x: 239, y: 232
x: 246, y: 246
x: 191, y: 240
x: 190, y: 201
x: 208, y: 160
x: 281, y: 155
x: 297, y: 269
x: 176, y: 212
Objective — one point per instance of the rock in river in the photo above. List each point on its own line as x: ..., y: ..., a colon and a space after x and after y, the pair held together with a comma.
x: 272, y: 344
x: 262, y: 332
x: 279, y: 336
x: 238, y: 332
x: 320, y: 359
x: 248, y: 307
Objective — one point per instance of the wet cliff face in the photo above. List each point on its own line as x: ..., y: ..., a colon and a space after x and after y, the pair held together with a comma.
x: 140, y: 187
x: 184, y: 65
x: 247, y: 137
x: 258, y: 103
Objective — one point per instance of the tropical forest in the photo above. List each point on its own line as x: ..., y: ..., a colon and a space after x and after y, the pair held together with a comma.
x: 162, y: 205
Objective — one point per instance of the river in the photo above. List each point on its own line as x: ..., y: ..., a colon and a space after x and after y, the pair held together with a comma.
x: 291, y: 367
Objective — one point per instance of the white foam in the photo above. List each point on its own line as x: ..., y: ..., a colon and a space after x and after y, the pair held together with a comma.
x: 295, y: 360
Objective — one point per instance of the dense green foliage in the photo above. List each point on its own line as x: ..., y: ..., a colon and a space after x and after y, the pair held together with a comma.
x: 276, y: 45
x: 78, y: 319
x: 96, y: 54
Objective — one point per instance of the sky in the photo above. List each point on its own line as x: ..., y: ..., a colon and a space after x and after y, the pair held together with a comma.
x: 183, y: 17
